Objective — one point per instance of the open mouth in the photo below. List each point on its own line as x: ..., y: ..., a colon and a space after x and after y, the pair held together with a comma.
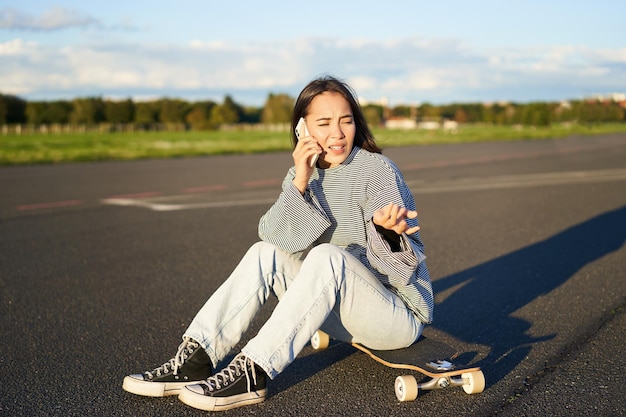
x: 336, y: 148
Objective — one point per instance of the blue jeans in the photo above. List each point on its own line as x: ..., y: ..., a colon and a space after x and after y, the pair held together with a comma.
x: 328, y: 290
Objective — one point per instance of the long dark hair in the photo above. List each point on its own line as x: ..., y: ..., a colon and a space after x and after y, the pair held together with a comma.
x: 363, y: 137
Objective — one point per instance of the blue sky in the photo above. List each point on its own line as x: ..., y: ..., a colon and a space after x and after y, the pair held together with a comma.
x: 405, y: 51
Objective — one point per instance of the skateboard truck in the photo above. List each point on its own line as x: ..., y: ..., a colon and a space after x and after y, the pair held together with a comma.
x: 442, y: 365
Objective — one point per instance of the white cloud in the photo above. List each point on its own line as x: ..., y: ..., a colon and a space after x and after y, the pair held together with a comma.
x: 16, y: 47
x: 53, y: 19
x: 405, y: 70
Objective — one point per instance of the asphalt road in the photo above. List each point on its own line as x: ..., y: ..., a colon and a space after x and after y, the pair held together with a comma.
x: 102, y: 267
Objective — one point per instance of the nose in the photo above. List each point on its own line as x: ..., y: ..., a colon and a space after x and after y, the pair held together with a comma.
x: 337, y: 132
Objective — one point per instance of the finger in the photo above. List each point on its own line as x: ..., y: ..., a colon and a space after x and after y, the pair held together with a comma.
x: 384, y: 219
x: 308, y: 141
x: 412, y: 230
x: 393, y: 213
x: 406, y: 213
x: 312, y: 145
x: 385, y: 212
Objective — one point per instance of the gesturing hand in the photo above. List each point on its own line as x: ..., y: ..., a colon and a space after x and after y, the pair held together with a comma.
x: 393, y: 217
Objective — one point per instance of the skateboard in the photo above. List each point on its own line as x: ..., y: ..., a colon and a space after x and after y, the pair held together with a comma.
x: 429, y: 357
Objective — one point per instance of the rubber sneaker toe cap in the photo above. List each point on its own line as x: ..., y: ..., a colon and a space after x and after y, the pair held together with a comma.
x: 195, y: 388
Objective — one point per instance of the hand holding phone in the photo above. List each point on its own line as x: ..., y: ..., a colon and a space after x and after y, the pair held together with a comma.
x: 302, y: 132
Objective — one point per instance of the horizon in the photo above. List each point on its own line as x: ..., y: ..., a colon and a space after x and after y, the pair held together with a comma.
x: 410, y: 54
x: 613, y: 97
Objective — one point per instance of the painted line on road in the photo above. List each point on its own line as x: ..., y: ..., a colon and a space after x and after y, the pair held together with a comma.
x: 137, y: 195
x: 205, y: 188
x: 517, y: 181
x: 487, y: 159
x: 172, y: 203
x: 49, y: 205
x: 155, y: 206
x: 262, y: 183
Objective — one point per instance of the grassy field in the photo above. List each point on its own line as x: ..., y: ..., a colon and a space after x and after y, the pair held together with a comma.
x: 74, y: 147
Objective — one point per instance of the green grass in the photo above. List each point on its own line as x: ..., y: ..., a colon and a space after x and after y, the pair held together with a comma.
x: 94, y: 146
x: 484, y: 133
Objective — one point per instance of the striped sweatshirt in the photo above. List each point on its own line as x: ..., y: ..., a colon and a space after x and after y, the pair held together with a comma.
x: 337, y: 207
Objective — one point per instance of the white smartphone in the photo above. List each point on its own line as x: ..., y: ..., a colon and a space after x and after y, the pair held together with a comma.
x: 302, y: 132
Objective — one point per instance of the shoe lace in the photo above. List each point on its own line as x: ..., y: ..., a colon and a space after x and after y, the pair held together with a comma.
x: 185, y: 349
x: 241, y: 364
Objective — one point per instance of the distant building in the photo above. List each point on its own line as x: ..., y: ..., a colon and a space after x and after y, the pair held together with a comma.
x: 429, y: 125
x: 406, y: 123
x: 610, y: 97
x: 619, y: 98
x: 403, y: 123
x: 450, y: 125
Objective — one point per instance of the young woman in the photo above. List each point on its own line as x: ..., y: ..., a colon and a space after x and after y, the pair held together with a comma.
x: 340, y: 248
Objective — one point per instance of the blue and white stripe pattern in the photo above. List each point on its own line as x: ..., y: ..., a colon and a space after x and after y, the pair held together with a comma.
x: 337, y: 208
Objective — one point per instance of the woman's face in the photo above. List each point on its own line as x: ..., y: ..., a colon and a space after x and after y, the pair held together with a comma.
x: 330, y: 121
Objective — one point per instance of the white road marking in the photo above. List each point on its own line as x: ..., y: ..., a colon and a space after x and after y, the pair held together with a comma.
x: 181, y: 202
x: 517, y: 181
x: 155, y: 206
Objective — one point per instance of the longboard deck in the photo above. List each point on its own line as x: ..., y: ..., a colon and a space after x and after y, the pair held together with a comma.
x: 417, y: 357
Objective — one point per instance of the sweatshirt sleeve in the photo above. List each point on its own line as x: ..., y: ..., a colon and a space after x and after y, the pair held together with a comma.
x: 397, y: 263
x: 294, y: 221
x: 403, y: 264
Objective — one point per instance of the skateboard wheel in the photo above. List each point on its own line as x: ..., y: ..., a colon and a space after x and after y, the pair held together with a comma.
x: 406, y: 388
x: 320, y: 340
x: 475, y: 382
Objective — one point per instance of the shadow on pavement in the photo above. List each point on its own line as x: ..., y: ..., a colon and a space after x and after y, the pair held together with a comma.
x: 481, y: 310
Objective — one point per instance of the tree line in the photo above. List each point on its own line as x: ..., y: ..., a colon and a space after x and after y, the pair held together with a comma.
x: 531, y: 114
x: 209, y: 115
